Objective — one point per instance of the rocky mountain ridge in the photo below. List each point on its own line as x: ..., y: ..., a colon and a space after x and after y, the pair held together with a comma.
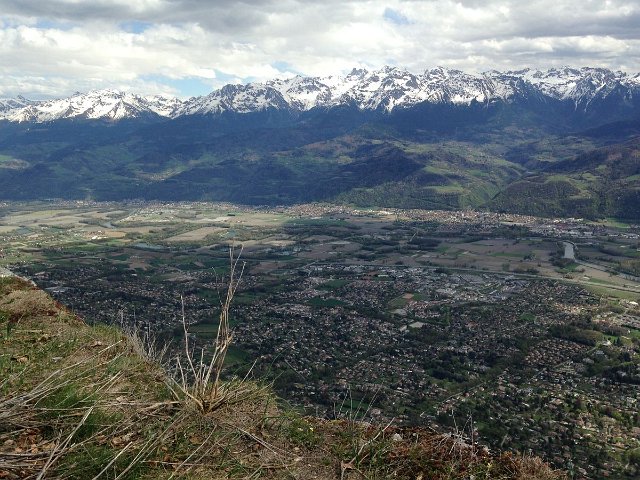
x: 383, y: 90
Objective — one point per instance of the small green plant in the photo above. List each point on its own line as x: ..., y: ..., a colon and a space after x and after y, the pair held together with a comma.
x: 301, y: 432
x: 4, y: 317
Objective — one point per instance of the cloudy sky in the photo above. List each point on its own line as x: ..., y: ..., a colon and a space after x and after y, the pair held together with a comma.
x: 52, y: 48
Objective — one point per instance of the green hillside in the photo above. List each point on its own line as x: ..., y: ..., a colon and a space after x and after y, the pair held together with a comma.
x: 603, y: 182
x: 506, y: 163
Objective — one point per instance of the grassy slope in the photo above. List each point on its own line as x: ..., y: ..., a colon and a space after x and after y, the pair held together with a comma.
x: 79, y: 401
x: 371, y: 165
x: 449, y: 175
x: 505, y: 164
x: 604, y: 182
x: 505, y: 158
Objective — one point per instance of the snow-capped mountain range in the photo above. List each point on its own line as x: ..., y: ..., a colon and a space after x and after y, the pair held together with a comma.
x: 97, y: 104
x: 382, y: 90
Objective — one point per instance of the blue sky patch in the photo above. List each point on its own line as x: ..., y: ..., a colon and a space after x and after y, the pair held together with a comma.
x: 395, y: 16
x: 185, y: 87
x: 135, y: 26
x: 53, y: 25
x: 282, y: 66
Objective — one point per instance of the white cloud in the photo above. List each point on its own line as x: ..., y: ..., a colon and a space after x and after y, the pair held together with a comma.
x: 56, y: 47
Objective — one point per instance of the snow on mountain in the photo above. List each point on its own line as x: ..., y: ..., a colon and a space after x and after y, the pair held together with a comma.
x: 252, y: 97
x: 385, y: 89
x: 302, y: 93
x: 581, y: 86
x: 97, y: 104
x: 163, y: 106
x: 459, y: 88
x: 339, y: 85
x: 8, y: 104
x: 391, y: 87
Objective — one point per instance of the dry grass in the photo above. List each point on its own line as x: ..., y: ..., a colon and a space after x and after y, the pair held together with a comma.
x: 146, y: 345
x: 19, y: 304
x: 418, y: 454
x: 69, y: 412
x: 28, y: 302
x: 198, y: 380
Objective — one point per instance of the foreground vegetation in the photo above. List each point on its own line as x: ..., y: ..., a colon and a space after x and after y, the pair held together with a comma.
x: 81, y: 401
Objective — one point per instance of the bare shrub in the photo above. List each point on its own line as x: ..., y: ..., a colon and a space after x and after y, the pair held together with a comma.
x: 198, y: 380
x: 146, y: 345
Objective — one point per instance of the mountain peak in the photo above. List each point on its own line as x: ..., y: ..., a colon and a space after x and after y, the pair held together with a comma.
x: 358, y: 72
x: 386, y: 89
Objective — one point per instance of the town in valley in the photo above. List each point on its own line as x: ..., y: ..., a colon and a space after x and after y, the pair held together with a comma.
x: 519, y: 331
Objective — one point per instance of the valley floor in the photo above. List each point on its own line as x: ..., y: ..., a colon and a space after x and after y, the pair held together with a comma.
x: 448, y: 320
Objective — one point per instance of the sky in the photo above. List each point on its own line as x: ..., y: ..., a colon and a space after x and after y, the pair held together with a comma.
x: 184, y: 48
